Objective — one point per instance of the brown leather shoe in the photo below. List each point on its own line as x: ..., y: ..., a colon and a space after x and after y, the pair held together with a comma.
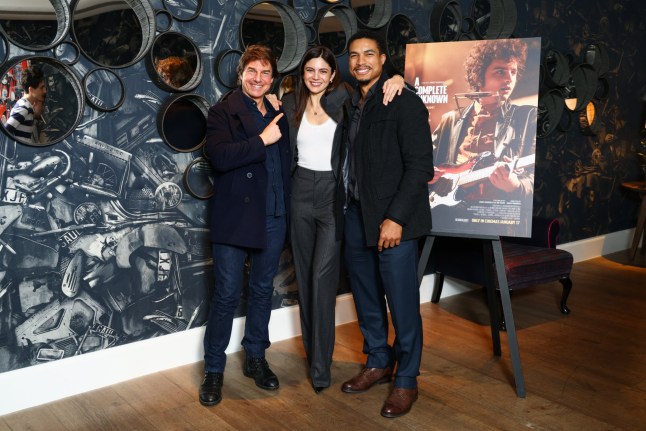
x: 366, y: 379
x: 398, y: 402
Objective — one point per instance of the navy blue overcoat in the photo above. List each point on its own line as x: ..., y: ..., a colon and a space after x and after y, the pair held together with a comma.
x: 237, y: 155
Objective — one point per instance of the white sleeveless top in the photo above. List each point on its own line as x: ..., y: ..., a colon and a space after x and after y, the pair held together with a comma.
x: 315, y: 144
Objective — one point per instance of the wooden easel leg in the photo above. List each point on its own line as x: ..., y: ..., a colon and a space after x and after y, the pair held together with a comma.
x: 490, y: 286
x: 423, y: 258
x: 509, y: 318
x: 640, y: 230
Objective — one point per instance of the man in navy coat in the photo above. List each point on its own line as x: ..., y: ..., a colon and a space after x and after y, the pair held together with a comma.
x: 248, y: 147
x: 391, y: 162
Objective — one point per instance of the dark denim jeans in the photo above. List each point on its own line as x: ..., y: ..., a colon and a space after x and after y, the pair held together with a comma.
x: 228, y: 265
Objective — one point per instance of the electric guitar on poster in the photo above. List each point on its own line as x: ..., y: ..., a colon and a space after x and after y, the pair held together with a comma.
x: 448, y: 189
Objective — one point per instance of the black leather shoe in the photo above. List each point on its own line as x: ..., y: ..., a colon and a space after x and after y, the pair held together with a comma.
x: 211, y: 389
x: 319, y: 389
x: 258, y: 369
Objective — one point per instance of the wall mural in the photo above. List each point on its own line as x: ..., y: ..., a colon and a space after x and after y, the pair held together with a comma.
x: 103, y: 233
x: 592, y: 150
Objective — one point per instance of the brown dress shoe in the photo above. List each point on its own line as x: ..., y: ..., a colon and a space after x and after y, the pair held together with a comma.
x: 366, y: 379
x: 398, y: 402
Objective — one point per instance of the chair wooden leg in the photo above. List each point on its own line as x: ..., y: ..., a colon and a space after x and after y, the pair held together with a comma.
x: 437, y: 287
x: 567, y: 287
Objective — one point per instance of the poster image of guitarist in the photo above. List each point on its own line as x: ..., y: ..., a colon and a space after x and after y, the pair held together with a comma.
x: 484, y: 149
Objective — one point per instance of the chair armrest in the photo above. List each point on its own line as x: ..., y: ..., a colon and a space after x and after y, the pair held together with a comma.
x: 545, y: 232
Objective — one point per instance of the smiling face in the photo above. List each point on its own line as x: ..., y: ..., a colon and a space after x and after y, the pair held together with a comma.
x: 256, y: 79
x: 365, y: 62
x: 317, y: 75
x: 500, y: 77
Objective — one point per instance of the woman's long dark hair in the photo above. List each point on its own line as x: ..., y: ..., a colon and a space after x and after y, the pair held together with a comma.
x: 302, y: 92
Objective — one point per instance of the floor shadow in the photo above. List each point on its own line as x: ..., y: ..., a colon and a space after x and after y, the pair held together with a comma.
x: 472, y: 306
x: 623, y: 258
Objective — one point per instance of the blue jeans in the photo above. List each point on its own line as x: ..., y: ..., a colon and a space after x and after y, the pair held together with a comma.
x: 228, y: 265
x: 377, y: 277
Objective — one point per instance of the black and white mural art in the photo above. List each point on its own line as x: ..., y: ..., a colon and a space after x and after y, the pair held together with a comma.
x: 103, y: 232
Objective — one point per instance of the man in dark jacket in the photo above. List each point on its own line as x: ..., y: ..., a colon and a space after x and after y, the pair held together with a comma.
x: 248, y: 147
x: 390, y: 164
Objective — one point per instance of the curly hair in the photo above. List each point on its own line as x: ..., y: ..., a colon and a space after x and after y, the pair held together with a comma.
x: 484, y: 52
x: 32, y: 77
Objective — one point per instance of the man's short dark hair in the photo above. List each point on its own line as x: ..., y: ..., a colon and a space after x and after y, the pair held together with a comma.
x: 32, y: 77
x: 258, y: 53
x: 368, y: 34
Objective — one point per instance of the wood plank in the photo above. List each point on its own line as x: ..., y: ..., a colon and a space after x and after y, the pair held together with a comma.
x: 35, y: 419
x: 191, y: 416
x: 148, y: 395
x: 102, y: 409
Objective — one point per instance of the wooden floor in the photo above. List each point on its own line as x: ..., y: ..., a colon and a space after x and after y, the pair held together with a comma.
x: 585, y: 371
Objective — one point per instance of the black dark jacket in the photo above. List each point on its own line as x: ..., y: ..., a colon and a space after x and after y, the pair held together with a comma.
x: 333, y: 104
x: 394, y: 164
x: 237, y: 154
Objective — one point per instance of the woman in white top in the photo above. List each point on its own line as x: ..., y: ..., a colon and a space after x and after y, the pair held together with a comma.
x: 315, y: 112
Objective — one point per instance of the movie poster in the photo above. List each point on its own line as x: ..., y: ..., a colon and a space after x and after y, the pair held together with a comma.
x: 482, y: 98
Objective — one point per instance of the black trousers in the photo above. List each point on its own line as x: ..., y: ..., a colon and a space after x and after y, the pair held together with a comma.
x: 317, y: 261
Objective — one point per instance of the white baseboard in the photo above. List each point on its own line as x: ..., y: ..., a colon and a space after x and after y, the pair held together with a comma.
x: 590, y: 248
x: 43, y: 383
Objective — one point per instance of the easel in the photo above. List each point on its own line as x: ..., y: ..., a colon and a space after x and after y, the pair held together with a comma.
x: 492, y: 250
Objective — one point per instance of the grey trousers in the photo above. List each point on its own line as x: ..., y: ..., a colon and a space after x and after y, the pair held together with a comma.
x: 317, y: 262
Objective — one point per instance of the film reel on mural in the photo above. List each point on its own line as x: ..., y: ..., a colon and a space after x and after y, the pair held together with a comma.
x: 582, y: 85
x: 36, y: 26
x: 446, y: 21
x: 4, y: 50
x: 276, y: 25
x: 334, y: 25
x: 175, y: 63
x: 550, y: 110
x: 183, y: 10
x: 104, y: 90
x: 68, y: 52
x: 163, y: 20
x: 199, y: 179
x: 226, y: 64
x: 305, y: 9
x: 494, y: 19
x: 372, y: 14
x: 399, y: 31
x: 181, y: 122
x: 54, y: 117
x: 114, y: 34
x: 489, y: 19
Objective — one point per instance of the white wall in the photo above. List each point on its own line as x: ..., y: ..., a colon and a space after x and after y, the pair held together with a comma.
x: 43, y: 383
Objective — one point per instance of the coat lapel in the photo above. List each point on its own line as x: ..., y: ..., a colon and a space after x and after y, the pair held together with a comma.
x: 241, y: 110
